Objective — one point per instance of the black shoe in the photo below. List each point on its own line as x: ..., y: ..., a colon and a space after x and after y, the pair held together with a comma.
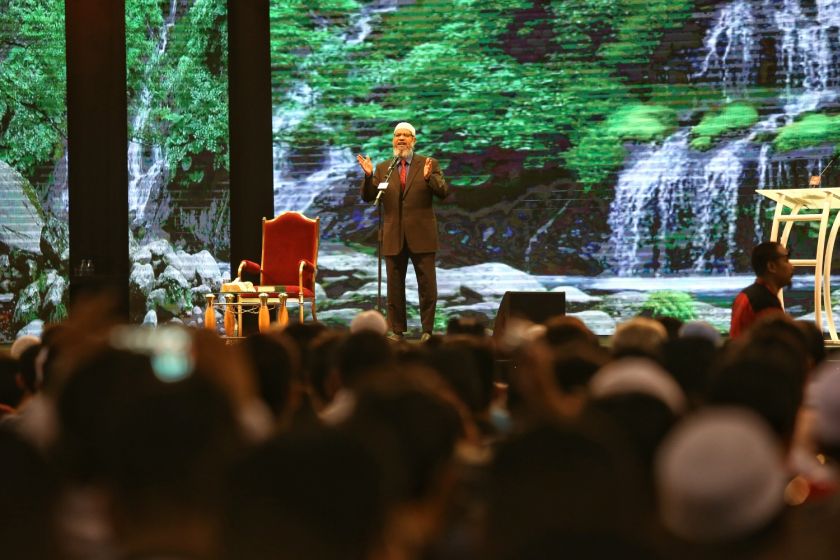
x: 396, y: 337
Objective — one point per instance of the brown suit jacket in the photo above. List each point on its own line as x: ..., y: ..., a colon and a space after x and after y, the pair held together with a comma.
x: 407, y: 215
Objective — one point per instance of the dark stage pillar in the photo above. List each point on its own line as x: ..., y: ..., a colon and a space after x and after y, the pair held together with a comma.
x: 251, y: 165
x: 97, y: 131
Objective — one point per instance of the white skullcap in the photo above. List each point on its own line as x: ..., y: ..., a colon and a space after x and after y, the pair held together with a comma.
x: 639, y: 334
x: 638, y: 375
x: 719, y: 476
x: 701, y: 329
x: 371, y: 320
x: 406, y: 126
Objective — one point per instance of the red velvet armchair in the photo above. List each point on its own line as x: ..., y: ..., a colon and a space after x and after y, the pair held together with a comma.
x: 289, y: 257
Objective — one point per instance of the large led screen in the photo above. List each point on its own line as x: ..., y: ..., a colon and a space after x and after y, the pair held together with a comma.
x: 178, y: 165
x: 34, y: 241
x: 608, y: 149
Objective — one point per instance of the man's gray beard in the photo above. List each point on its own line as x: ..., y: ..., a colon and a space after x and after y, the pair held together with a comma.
x: 405, y: 153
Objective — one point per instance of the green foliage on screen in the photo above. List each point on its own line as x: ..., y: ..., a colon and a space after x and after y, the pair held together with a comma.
x: 811, y: 130
x: 295, y: 36
x: 732, y: 117
x: 670, y: 303
x: 32, y: 90
x: 601, y: 150
x: 446, y: 67
x: 141, y: 16
x: 187, y: 84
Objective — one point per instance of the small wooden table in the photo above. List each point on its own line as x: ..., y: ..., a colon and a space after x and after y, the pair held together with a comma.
x: 238, y: 298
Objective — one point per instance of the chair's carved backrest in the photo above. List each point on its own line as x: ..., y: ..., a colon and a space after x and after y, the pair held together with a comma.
x: 287, y: 239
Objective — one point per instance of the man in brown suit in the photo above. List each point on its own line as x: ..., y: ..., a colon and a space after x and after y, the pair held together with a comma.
x: 409, y: 226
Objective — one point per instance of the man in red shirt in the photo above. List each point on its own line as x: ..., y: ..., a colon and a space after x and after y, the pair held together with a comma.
x: 773, y: 271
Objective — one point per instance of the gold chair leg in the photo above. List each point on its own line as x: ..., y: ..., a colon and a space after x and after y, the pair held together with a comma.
x: 314, y: 317
x: 300, y: 307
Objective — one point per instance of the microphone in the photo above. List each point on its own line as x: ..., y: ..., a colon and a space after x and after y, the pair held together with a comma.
x: 383, y: 186
x: 815, y: 180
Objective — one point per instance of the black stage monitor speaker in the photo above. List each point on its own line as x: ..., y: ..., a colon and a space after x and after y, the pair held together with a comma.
x: 533, y: 306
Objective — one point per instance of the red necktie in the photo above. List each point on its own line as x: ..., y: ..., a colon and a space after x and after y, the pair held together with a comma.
x: 402, y: 174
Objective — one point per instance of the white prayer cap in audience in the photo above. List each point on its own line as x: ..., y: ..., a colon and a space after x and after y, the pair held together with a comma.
x: 719, y: 476
x: 371, y: 320
x: 21, y: 344
x: 639, y: 334
x: 701, y: 329
x: 823, y: 395
x: 638, y: 375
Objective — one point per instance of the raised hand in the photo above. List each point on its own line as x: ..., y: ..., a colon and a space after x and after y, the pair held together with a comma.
x: 365, y: 163
x: 427, y: 168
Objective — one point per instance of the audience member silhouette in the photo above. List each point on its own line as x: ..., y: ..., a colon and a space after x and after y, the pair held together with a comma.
x: 276, y: 363
x: 28, y: 493
x: 316, y: 495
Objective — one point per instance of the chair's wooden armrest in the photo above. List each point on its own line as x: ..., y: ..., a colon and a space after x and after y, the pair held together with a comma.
x: 248, y: 266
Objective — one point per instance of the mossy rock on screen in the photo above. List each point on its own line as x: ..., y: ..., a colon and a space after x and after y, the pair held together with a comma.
x: 812, y: 130
x: 601, y: 150
x: 731, y: 118
x: 670, y: 303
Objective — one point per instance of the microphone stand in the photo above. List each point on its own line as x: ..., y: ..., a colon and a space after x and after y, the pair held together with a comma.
x: 378, y: 204
x: 816, y: 180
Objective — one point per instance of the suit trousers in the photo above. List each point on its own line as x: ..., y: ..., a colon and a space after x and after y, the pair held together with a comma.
x: 396, y: 267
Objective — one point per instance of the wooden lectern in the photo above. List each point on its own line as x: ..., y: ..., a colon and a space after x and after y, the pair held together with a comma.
x: 795, y: 201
